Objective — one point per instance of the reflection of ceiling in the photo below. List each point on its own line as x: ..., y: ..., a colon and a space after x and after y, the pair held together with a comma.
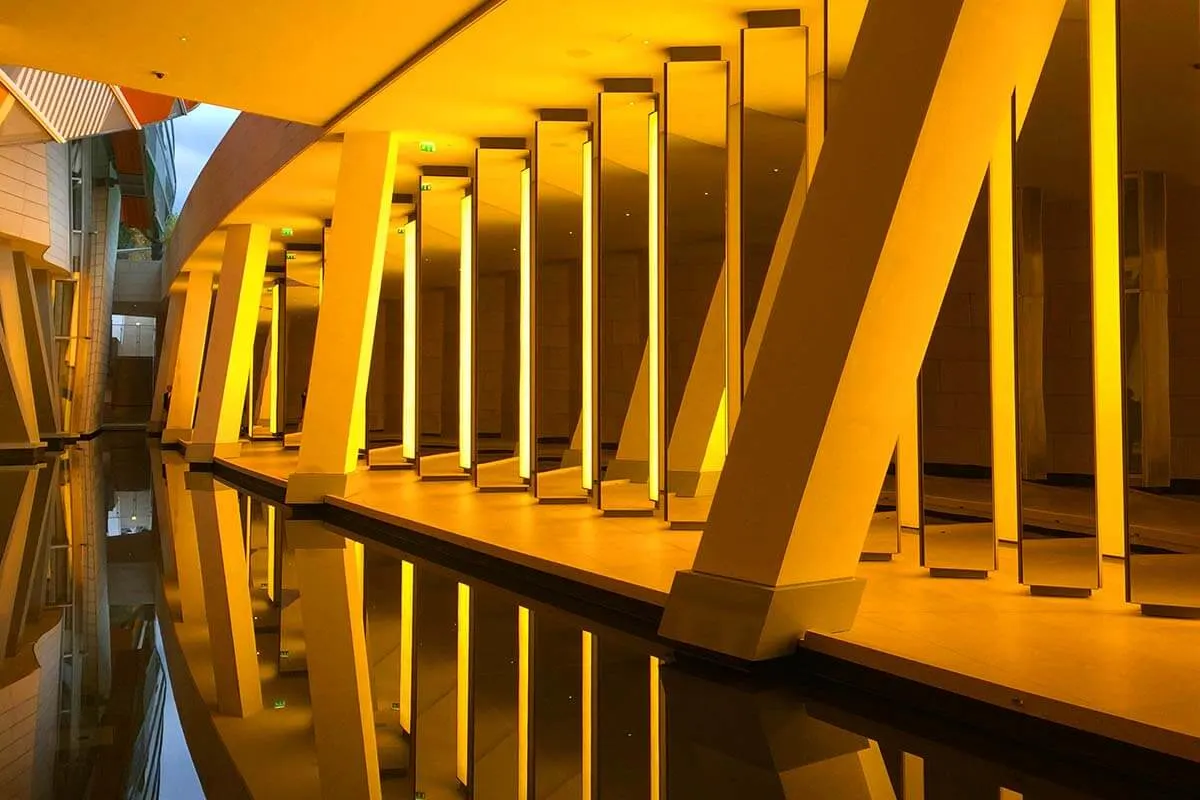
x: 696, y: 100
x: 1160, y: 99
x: 440, y: 219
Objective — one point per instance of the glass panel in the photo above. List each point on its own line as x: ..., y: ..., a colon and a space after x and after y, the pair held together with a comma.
x: 494, y: 694
x: 558, y: 312
x: 497, y: 313
x: 557, y: 712
x: 439, y: 242
x: 302, y: 299
x: 436, y: 687
x: 957, y: 535
x: 623, y: 409
x: 695, y: 166
x: 389, y: 651
x: 1058, y: 545
x: 385, y: 390
x: 883, y: 537
x: 622, y: 729
x: 1160, y: 149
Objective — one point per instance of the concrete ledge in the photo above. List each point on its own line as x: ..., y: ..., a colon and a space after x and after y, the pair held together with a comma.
x: 308, y: 488
x: 753, y: 622
x: 176, y: 435
x: 201, y: 452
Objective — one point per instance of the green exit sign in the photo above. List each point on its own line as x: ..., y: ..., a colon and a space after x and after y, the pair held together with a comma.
x: 285, y: 232
x: 427, y: 147
x: 426, y: 187
x: 280, y: 703
x: 291, y: 256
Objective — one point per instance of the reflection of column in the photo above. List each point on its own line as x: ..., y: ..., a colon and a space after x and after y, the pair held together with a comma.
x: 17, y: 488
x: 338, y: 672
x: 183, y: 530
x: 841, y: 345
x: 228, y: 366
x: 226, y: 595
x: 762, y: 745
x: 337, y: 385
x: 23, y: 552
x: 189, y: 357
x: 166, y: 359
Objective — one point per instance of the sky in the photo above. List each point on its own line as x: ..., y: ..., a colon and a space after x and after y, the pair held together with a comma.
x: 196, y: 136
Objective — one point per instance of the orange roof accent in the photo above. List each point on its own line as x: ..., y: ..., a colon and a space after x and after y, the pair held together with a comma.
x: 148, y: 107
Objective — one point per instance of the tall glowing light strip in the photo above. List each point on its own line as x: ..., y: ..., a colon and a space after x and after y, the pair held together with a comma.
x: 466, y: 318
x: 522, y: 703
x: 1002, y: 316
x: 587, y: 409
x: 654, y: 343
x: 462, y: 695
x: 525, y: 421
x: 271, y: 544
x: 1106, y: 277
x: 587, y: 700
x: 655, y: 732
x: 409, y: 399
x: 272, y: 384
x: 406, y: 645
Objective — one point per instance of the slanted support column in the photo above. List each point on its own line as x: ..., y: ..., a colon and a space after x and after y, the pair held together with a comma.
x: 186, y: 554
x: 226, y: 595
x: 189, y: 357
x: 889, y: 204
x: 337, y: 385
x: 339, y: 680
x: 227, y: 369
x: 42, y: 379
x: 166, y: 360
x: 17, y: 390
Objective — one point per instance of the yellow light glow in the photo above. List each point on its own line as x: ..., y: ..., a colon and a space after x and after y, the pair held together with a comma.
x: 654, y: 339
x: 1106, y: 278
x: 409, y: 400
x: 462, y: 695
x: 1002, y: 322
x: 655, y: 732
x: 525, y: 421
x: 466, y: 318
x: 587, y: 412
x: 908, y: 467
x: 270, y: 552
x: 406, y: 645
x: 587, y: 700
x: 913, y: 777
x: 523, y: 703
x: 273, y: 356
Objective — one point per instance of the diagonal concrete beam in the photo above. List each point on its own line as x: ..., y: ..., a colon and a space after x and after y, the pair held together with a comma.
x: 898, y: 176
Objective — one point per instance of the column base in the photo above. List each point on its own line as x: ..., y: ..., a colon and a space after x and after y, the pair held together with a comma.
x: 753, y: 622
x: 310, y: 488
x: 627, y: 469
x: 1059, y: 591
x: 176, y: 435
x: 291, y: 441
x: 204, y: 453
x: 693, y: 484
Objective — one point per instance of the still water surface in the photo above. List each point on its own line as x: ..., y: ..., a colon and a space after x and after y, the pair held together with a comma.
x: 188, y: 633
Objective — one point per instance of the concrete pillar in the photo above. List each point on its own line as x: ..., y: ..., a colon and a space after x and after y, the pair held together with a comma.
x: 226, y: 595
x: 227, y: 369
x: 15, y: 348
x: 889, y: 204
x: 183, y: 532
x: 337, y: 386
x: 167, y: 357
x: 43, y: 380
x: 189, y: 357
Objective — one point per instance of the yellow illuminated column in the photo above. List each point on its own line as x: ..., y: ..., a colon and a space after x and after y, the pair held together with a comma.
x: 337, y: 384
x: 272, y: 388
x: 166, y: 359
x: 523, y: 670
x: 227, y: 367
x: 189, y: 357
x: 226, y: 595
x: 525, y: 420
x: 588, y: 407
x: 1106, y: 277
x: 1002, y: 317
x: 818, y: 49
x: 654, y: 343
x: 908, y: 463
x: 463, y: 692
x: 339, y: 681
x: 843, y: 347
x: 466, y: 335
x: 408, y: 422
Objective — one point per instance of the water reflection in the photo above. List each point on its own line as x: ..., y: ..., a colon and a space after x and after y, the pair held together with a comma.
x: 402, y: 678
